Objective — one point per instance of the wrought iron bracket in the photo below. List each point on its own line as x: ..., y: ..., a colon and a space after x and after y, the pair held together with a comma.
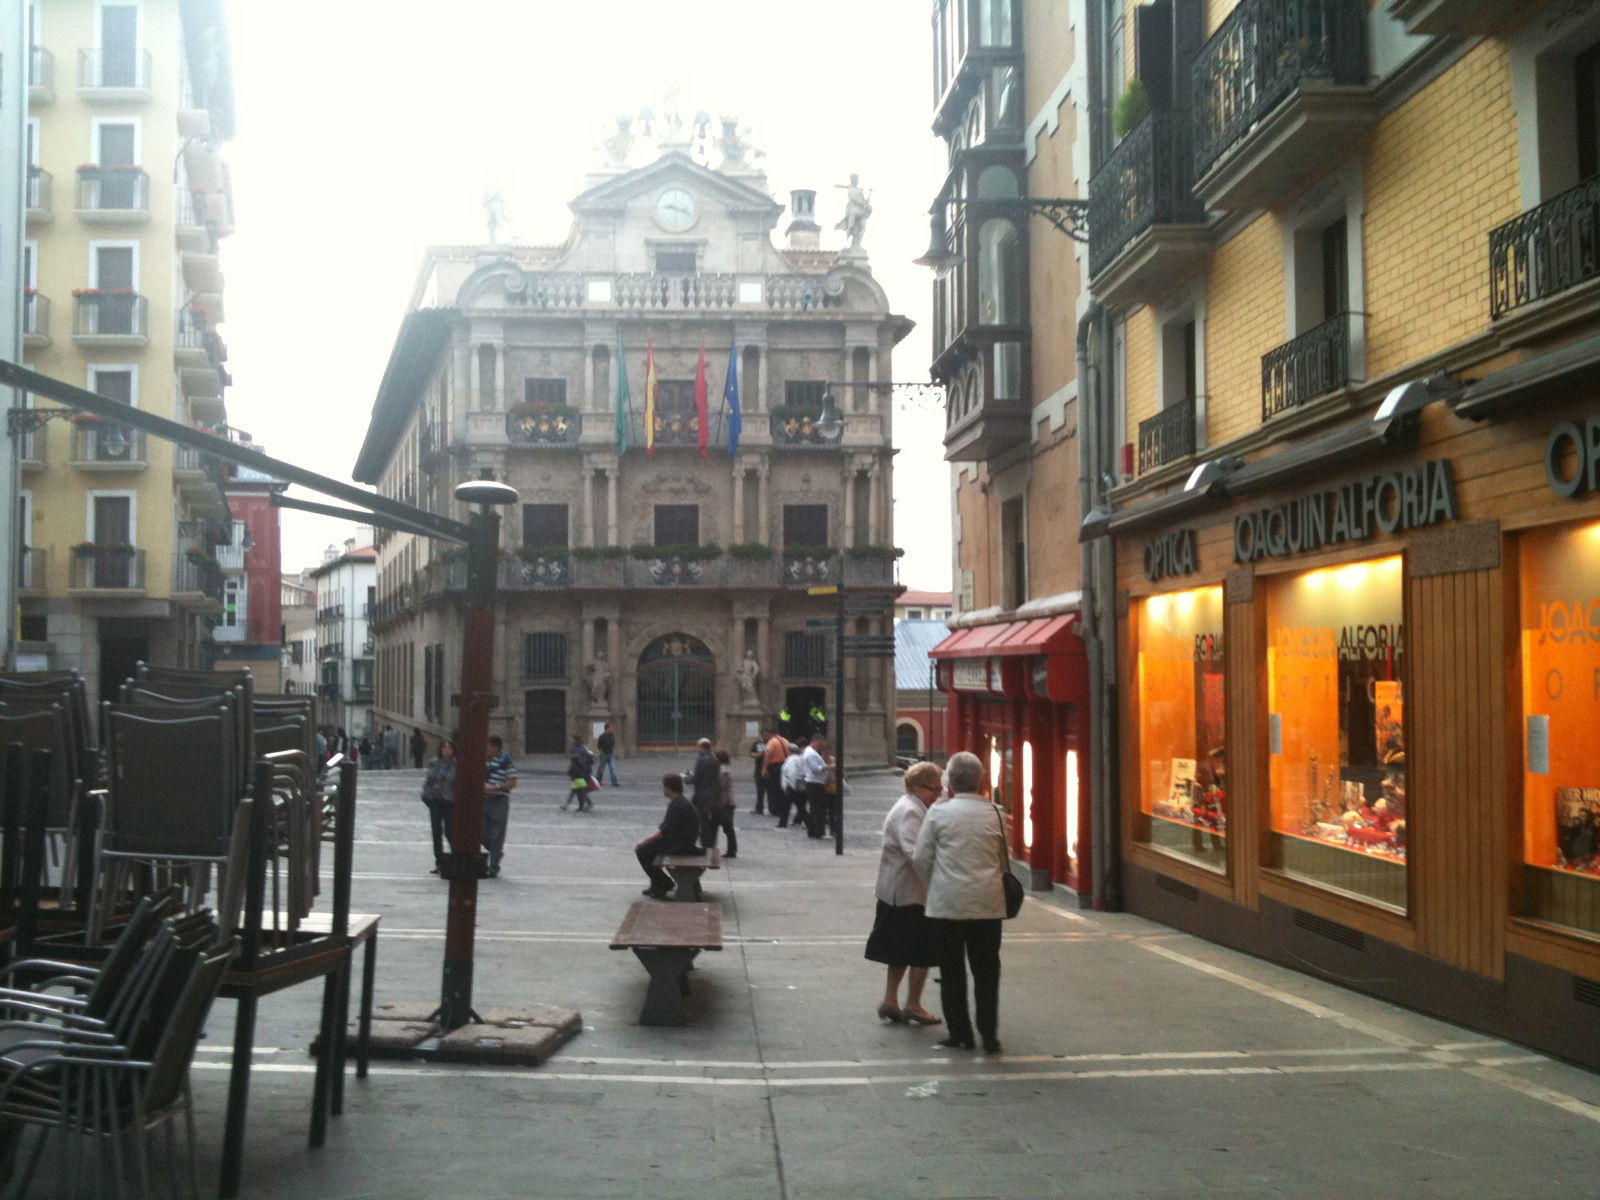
x: 1070, y: 217
x: 30, y: 420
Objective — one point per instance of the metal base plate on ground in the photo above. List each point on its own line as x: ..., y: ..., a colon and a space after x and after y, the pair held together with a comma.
x: 523, y: 1036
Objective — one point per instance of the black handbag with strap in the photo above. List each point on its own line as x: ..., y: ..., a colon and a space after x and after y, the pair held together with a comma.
x: 1009, y: 883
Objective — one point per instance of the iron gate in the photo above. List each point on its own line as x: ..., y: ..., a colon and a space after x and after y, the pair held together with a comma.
x: 677, y: 692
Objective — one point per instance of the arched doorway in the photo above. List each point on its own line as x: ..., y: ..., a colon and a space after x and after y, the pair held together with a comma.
x: 677, y: 692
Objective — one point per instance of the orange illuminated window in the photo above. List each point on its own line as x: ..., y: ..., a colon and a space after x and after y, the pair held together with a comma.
x: 1183, y: 764
x: 1560, y: 575
x: 1336, y: 728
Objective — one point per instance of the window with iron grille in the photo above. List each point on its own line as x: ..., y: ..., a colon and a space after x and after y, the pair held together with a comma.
x: 805, y: 655
x: 677, y: 525
x: 805, y: 393
x: 675, y: 397
x: 544, y: 524
x: 544, y: 391
x: 544, y: 656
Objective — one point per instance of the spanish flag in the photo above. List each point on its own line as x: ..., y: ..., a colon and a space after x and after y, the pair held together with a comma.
x: 650, y: 386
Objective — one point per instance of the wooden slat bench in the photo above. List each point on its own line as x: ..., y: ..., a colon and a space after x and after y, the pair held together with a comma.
x: 686, y: 870
x: 666, y: 938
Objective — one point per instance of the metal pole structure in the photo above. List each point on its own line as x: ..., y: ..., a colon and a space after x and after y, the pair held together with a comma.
x: 838, y: 712
x: 467, y: 863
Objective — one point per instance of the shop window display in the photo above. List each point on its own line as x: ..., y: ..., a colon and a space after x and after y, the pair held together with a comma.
x: 1336, y: 728
x: 1183, y: 767
x: 1560, y: 627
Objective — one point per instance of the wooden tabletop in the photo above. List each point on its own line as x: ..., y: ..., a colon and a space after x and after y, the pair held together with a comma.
x: 670, y: 926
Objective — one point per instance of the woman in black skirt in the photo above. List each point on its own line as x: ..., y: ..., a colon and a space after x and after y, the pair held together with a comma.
x: 901, y: 938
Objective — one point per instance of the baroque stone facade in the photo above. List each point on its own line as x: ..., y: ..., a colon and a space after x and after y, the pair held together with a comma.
x: 636, y: 580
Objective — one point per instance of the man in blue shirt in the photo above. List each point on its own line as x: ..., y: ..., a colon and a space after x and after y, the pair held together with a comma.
x: 499, y: 778
x: 678, y: 833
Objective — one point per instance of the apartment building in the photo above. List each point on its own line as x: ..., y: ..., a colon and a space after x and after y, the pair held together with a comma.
x: 297, y: 604
x: 661, y: 388
x: 127, y: 198
x: 249, y: 631
x: 345, y: 584
x: 1346, y: 255
x: 1009, y: 83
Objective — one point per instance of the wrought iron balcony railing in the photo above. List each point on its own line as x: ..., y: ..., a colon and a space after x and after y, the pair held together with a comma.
x: 35, y: 316
x: 114, y: 68
x: 546, y: 572
x: 39, y: 190
x: 31, y: 576
x: 1313, y: 364
x: 112, y: 314
x: 118, y: 189
x: 1546, y: 250
x: 544, y: 427
x: 1168, y: 436
x: 332, y: 612
x: 108, y: 567
x: 1260, y: 54
x: 41, y: 72
x: 190, y: 575
x: 799, y: 431
x: 673, y: 291
x: 1147, y: 180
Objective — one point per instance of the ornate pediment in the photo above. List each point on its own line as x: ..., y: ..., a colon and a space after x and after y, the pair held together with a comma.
x: 675, y: 487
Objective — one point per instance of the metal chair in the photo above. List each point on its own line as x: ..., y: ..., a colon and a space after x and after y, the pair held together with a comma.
x: 40, y: 722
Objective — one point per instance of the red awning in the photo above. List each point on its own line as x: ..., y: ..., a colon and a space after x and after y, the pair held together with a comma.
x: 1041, y: 635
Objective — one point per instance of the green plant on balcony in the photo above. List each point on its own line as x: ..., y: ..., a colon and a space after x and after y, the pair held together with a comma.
x: 548, y: 550
x: 1132, y: 107
x: 598, y: 553
x: 750, y: 550
x: 686, y: 551
x: 809, y: 551
x: 874, y: 551
x: 199, y: 557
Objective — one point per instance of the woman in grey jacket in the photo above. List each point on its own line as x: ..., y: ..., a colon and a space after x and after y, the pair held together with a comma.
x: 960, y: 854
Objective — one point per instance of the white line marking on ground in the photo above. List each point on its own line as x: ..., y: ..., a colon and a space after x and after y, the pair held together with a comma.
x: 1537, y: 1091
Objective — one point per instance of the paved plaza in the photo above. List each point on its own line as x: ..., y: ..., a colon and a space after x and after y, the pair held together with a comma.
x: 1140, y: 1062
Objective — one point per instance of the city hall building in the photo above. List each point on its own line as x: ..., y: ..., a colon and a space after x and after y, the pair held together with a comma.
x: 653, y: 387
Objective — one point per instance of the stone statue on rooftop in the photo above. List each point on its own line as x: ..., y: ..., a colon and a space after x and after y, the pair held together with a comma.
x: 494, y: 211
x: 857, y: 208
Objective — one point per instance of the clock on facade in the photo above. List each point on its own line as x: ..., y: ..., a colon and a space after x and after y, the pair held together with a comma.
x: 675, y: 210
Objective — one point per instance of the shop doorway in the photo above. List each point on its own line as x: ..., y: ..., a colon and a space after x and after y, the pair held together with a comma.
x: 120, y: 656
x: 544, y: 720
x: 798, y: 703
x: 677, y: 692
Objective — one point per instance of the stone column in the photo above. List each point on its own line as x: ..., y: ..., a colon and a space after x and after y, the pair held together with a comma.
x: 588, y: 379
x: 474, y: 374
x: 875, y: 670
x: 738, y: 502
x: 764, y: 499
x: 761, y: 380
x: 586, y: 490
x: 586, y: 642
x: 499, y: 377
x: 847, y: 497
x: 874, y: 513
x: 611, y: 505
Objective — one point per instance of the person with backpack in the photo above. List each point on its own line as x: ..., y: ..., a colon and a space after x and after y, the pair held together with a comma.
x: 580, y: 775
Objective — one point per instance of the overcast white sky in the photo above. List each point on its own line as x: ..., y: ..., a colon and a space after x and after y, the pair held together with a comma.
x: 369, y: 130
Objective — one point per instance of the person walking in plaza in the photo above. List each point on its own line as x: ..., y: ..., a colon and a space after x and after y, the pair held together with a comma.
x: 758, y: 755
x: 678, y: 833
x: 818, y: 773
x: 391, y: 747
x: 772, y: 758
x: 419, y: 747
x: 499, y: 778
x: 607, y: 745
x: 722, y: 815
x: 794, y: 784
x: 580, y: 774
x: 704, y: 791
x: 438, y: 793
x: 960, y: 854
x: 901, y: 937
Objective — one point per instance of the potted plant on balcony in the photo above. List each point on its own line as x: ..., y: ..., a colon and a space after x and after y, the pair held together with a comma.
x: 749, y: 550
x: 1131, y: 108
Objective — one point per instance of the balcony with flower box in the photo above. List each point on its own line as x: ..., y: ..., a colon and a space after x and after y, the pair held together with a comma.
x: 194, y: 232
x: 669, y: 566
x: 35, y: 319
x: 1319, y: 362
x: 114, y: 75
x: 1279, y: 83
x: 111, y: 318
x: 41, y: 75
x: 40, y: 197
x: 553, y: 426
x: 102, y: 568
x: 113, y: 195
x: 796, y: 428
x: 537, y: 569
x: 106, y: 447
x: 1146, y: 229
x: 197, y: 582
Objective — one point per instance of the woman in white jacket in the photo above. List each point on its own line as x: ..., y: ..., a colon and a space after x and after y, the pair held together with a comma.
x: 901, y: 937
x: 960, y: 854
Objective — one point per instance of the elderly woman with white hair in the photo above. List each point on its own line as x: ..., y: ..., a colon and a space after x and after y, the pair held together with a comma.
x: 901, y: 937
x: 961, y: 855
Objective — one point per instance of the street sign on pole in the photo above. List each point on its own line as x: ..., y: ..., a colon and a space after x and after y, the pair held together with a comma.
x: 868, y: 604
x: 822, y: 624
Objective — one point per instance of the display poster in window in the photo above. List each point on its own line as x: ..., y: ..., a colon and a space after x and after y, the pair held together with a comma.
x: 1182, y: 699
x: 1560, y: 619
x: 1335, y: 664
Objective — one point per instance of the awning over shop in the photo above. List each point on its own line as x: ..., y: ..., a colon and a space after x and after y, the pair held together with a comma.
x: 1041, y: 635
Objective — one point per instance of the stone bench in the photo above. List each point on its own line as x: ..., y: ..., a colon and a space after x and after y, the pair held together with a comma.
x: 667, y: 938
x: 686, y: 870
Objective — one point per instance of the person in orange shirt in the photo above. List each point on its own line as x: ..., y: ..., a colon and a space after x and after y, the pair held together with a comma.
x: 777, y: 801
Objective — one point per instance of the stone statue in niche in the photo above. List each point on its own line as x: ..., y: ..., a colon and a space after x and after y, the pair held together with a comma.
x: 749, y: 677
x: 857, y: 208
x: 494, y: 212
x: 599, y: 673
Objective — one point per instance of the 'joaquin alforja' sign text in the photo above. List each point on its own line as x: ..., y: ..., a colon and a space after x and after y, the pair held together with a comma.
x: 1392, y: 501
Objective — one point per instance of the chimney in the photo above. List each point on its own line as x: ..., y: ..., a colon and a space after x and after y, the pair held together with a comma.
x: 350, y: 545
x: 803, y: 232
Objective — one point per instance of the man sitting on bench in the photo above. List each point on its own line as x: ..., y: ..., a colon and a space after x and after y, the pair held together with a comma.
x: 678, y: 833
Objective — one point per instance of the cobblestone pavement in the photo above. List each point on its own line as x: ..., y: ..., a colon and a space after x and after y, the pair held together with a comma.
x: 1140, y: 1062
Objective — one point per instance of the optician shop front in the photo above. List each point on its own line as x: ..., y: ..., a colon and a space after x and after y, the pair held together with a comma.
x: 1360, y: 705
x: 1017, y: 697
